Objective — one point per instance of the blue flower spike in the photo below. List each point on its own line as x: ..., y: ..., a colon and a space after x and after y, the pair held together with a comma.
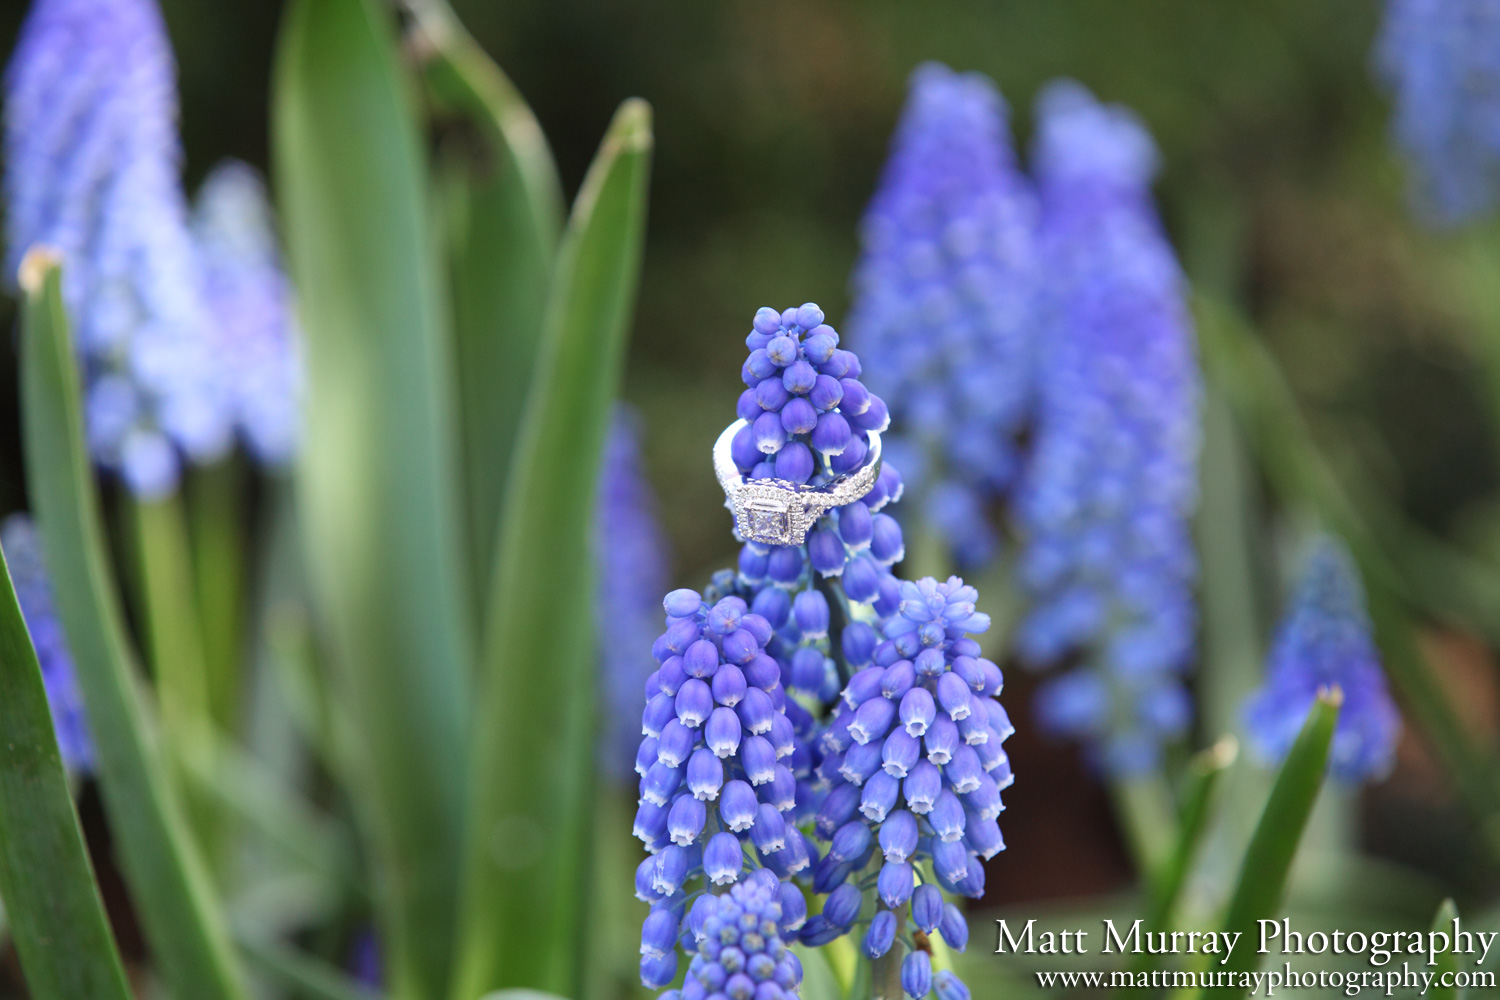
x: 1323, y: 642
x: 737, y: 947
x: 1106, y: 503
x: 944, y: 302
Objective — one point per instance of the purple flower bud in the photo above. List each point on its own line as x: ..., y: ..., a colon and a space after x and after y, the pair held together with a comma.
x: 782, y: 350
x: 898, y: 836
x: 660, y: 783
x: 878, y: 796
x: 947, y: 817
x: 793, y: 907
x: 832, y: 435
x: 862, y: 578
x: 954, y: 928
x: 795, y: 857
x: 774, y: 605
x: 722, y: 732
x: 770, y: 397
x: 747, y: 407
x: 743, y: 448
x: 762, y: 672
x: 809, y: 315
x: 984, y: 801
x: 808, y: 669
x: 950, y: 861
x: 799, y: 378
x: 782, y: 736
x: 676, y: 744
x: 916, y: 974
x: 701, y: 660
x: 651, y: 823
x: 658, y: 973
x: 982, y: 836
x: 728, y: 685
x: 837, y: 809
x: 768, y: 433
x: 900, y: 753
x: 876, y: 417
x: 819, y: 344
x: 643, y: 889
x: 737, y: 806
x: 842, y: 906
x: 753, y: 562
x: 929, y: 662
x: 830, y: 874
x: 769, y: 831
x: 826, y: 552
x: 671, y: 869
x: 810, y: 611
x: 798, y: 416
x: 954, y: 695
x: 781, y: 790
x: 897, y: 680
x: 694, y: 702
x: 705, y: 774
x: 895, y: 882
x: 795, y: 463
x: 767, y: 321
x: 819, y: 931
x: 784, y: 565
x: 858, y: 643
x: 963, y: 771
x: 659, y: 711
x: 861, y: 761
x: 927, y: 907
x: 886, y: 542
x: 872, y: 720
x: 758, y: 758
x: 722, y: 859
x: 685, y: 821
x: 850, y: 841
x: 645, y: 756
x: 941, y: 739
x: 881, y: 935
x: 855, y: 525
x: 864, y: 686
x: 682, y: 603
x: 917, y: 711
x: 669, y: 678
x: 921, y: 787
x: 948, y: 986
x: 826, y: 394
x: 755, y: 711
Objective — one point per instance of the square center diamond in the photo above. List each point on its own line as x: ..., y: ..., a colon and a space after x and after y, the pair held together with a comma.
x: 769, y: 521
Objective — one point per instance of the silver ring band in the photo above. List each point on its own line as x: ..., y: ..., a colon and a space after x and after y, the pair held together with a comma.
x: 776, y: 512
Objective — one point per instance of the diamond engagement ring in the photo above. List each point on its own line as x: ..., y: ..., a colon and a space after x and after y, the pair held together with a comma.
x: 776, y: 512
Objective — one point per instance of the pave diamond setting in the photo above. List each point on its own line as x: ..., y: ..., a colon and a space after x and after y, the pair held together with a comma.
x: 776, y: 512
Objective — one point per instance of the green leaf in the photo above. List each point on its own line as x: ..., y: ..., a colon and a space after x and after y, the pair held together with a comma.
x: 504, y: 214
x: 377, y: 480
x: 1447, y: 962
x: 533, y: 755
x: 1167, y: 880
x: 168, y: 882
x: 1268, y: 858
x: 818, y: 980
x: 56, y: 916
x: 310, y: 977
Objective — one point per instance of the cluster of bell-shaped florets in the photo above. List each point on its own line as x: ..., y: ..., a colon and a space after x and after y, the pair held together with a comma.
x: 1105, y: 508
x: 713, y: 764
x: 737, y: 943
x: 1324, y: 642
x: 914, y: 766
x: 944, y: 298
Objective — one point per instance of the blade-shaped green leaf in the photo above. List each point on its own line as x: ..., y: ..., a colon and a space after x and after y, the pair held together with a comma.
x: 167, y: 878
x: 377, y: 478
x: 504, y: 213
x: 533, y: 755
x: 56, y: 916
x: 1447, y: 962
x: 1268, y: 859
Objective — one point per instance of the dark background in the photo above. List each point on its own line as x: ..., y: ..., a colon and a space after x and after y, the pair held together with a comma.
x: 772, y: 118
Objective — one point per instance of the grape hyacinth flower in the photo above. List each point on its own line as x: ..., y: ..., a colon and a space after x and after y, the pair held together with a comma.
x: 943, y: 311
x: 1439, y: 60
x: 1107, y: 499
x: 251, y: 300
x: 915, y: 765
x: 1324, y: 642
x: 737, y: 946
x: 630, y: 551
x: 28, y: 572
x: 92, y: 171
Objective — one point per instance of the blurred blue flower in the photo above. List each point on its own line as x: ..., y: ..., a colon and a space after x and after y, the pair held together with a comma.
x: 943, y: 301
x: 1105, y: 504
x: 630, y: 551
x: 1441, y: 61
x: 92, y: 170
x: 28, y: 572
x: 1324, y: 642
x: 737, y: 947
x: 251, y: 301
